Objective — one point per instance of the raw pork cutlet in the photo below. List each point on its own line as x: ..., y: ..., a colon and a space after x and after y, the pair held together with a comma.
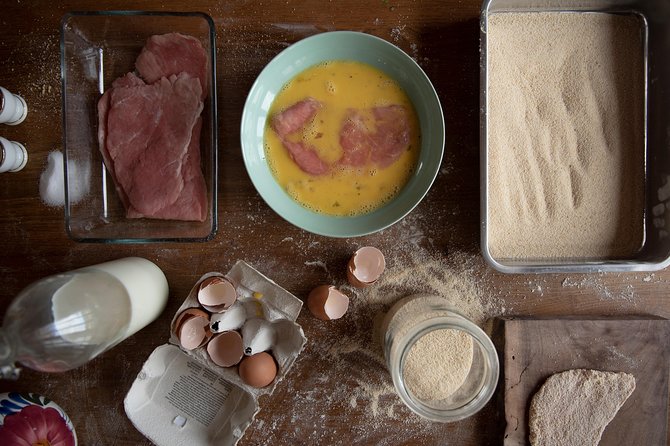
x: 384, y: 145
x: 129, y: 80
x: 149, y: 133
x: 191, y: 204
x: 174, y: 53
x: 292, y: 120
x: 306, y: 158
x: 295, y: 117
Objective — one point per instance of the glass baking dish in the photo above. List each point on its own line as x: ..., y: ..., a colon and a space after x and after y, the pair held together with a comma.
x: 96, y: 48
x: 654, y: 253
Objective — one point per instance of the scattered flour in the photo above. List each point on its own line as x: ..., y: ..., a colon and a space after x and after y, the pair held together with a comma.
x: 397, y: 32
x: 319, y: 264
x: 615, y: 354
x: 625, y: 292
x: 347, y: 351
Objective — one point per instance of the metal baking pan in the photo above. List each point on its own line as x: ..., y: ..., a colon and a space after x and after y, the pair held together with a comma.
x: 654, y: 253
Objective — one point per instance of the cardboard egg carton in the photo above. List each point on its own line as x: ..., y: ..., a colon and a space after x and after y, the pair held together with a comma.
x: 180, y: 397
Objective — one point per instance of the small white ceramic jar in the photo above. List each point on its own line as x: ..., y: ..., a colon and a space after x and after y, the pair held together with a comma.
x: 13, y: 156
x: 13, y: 108
x: 416, y: 316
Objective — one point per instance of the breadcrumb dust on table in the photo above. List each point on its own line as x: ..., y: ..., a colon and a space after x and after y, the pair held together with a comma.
x: 339, y: 391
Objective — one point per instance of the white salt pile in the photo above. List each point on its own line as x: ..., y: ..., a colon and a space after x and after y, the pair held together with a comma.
x: 52, y: 181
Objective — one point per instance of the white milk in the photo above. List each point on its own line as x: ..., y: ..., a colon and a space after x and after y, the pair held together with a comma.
x: 92, y: 308
x: 106, y: 303
x: 146, y: 286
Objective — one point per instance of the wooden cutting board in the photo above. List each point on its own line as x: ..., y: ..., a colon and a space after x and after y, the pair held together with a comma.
x: 531, y: 350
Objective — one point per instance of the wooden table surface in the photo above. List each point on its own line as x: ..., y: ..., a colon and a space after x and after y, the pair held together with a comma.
x: 338, y: 391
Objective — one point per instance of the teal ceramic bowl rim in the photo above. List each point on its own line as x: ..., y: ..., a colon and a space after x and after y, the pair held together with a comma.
x: 343, y: 45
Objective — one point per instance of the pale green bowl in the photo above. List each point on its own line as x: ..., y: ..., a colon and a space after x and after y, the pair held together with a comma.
x: 342, y: 45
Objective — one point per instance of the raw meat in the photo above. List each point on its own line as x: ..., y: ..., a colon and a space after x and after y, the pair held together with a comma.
x: 383, y: 146
x: 103, y: 107
x: 292, y: 120
x: 169, y: 54
x: 191, y: 203
x: 295, y: 117
x: 392, y: 135
x: 306, y: 158
x: 360, y: 145
x: 149, y: 132
x: 355, y: 140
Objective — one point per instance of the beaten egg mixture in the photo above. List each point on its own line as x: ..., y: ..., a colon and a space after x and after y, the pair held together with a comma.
x: 345, y: 190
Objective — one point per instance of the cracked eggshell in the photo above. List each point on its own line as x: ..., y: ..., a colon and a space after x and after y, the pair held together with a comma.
x: 232, y: 319
x: 258, y: 335
x: 261, y: 298
x: 193, y: 330
x: 225, y: 349
x: 184, y: 315
x: 217, y: 294
x: 365, y: 267
x: 327, y: 302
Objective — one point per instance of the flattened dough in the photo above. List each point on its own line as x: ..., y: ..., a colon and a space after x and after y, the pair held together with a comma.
x: 573, y: 407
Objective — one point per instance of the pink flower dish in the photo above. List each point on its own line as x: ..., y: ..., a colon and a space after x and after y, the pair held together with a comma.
x: 34, y: 420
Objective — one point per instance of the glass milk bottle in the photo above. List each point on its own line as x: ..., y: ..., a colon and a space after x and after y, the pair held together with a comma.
x: 63, y: 321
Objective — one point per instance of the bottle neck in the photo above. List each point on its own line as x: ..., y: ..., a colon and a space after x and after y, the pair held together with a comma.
x: 8, y: 368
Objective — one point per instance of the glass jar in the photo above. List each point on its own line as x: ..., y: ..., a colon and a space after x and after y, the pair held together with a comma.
x: 444, y: 367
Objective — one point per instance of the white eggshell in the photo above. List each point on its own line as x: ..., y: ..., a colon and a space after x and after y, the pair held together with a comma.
x: 365, y: 266
x: 232, y: 319
x: 258, y: 335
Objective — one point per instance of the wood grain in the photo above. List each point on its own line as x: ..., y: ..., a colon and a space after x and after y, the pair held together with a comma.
x: 318, y: 403
x: 534, y: 349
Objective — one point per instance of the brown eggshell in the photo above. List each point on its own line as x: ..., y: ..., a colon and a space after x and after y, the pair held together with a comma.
x: 365, y: 267
x: 258, y: 370
x: 194, y: 332
x: 226, y: 349
x: 187, y: 314
x: 217, y: 294
x: 327, y: 302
